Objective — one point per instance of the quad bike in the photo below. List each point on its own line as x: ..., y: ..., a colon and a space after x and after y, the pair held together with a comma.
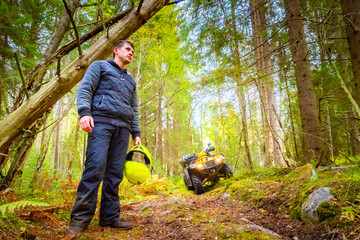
x: 204, y: 169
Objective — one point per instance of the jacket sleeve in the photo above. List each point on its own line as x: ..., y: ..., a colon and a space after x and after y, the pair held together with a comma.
x: 135, y: 125
x: 87, y: 88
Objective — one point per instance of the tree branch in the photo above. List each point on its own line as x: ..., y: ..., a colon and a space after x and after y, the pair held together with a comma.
x: 88, y: 5
x: 68, y: 47
x: 174, y: 2
x: 21, y: 75
x: 139, y: 7
x: 74, y: 26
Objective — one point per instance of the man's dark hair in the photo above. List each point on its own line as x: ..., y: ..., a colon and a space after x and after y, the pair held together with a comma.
x: 121, y: 43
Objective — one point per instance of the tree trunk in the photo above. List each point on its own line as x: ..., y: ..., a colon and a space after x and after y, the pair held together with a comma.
x: 63, y: 26
x: 352, y: 122
x: 309, y: 109
x: 240, y: 89
x: 73, y: 152
x: 168, y: 157
x: 283, y: 78
x: 46, y: 139
x: 159, y: 132
x: 82, y: 163
x: 17, y: 162
x: 265, y: 83
x: 223, y: 135
x: 56, y: 143
x: 33, y: 88
x: 330, y: 133
x: 351, y: 15
x: 242, y: 104
x: 13, y: 125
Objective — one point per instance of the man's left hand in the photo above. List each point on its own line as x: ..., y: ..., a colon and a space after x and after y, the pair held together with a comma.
x: 137, y: 141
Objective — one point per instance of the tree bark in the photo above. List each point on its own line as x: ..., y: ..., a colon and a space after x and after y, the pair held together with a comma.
x: 283, y: 78
x: 240, y: 89
x: 242, y: 104
x: 222, y: 123
x: 73, y: 152
x: 309, y: 109
x: 159, y: 132
x: 168, y: 157
x: 351, y: 15
x: 17, y: 162
x: 352, y: 122
x: 33, y: 84
x: 51, y: 48
x: 22, y: 118
x: 56, y: 143
x: 265, y: 83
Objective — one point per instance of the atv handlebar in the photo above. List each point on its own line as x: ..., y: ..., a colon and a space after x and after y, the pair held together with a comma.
x: 210, y: 149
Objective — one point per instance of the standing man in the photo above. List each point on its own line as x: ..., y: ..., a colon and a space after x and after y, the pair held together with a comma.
x: 108, y: 108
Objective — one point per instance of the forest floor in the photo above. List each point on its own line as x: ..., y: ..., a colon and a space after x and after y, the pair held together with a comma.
x: 236, y: 208
x: 167, y: 216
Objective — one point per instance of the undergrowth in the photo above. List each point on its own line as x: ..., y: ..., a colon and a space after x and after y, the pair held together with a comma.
x: 277, y: 190
x: 285, y: 190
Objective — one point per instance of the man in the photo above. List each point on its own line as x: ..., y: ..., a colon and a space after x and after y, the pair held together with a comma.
x: 108, y: 108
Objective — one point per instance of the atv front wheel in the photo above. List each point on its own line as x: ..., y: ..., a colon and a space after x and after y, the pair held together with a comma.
x: 187, y: 186
x: 197, y: 183
x: 228, y: 172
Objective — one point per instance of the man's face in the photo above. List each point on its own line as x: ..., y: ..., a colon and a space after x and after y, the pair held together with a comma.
x: 125, y: 53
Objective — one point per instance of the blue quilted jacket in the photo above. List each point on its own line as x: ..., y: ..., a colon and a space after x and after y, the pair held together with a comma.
x: 108, y: 94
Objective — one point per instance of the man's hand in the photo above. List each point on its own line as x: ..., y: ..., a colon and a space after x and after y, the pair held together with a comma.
x: 87, y: 123
x: 137, y: 141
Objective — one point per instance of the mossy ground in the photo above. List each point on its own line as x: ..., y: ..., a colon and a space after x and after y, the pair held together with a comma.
x: 270, y: 198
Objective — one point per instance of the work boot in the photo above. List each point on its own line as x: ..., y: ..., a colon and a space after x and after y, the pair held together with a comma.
x: 119, y: 224
x: 72, y: 230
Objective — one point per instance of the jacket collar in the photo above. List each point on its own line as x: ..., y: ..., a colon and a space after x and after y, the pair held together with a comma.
x: 113, y: 63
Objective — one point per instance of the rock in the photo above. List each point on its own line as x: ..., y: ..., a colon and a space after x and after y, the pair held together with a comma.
x: 145, y: 208
x: 225, y: 196
x: 309, y: 209
x: 165, y: 213
x: 314, y: 176
x: 175, y: 200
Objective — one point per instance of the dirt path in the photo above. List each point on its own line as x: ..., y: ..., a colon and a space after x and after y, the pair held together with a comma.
x: 200, y: 217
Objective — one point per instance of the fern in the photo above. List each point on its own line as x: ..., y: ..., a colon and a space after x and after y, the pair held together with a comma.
x: 11, y: 207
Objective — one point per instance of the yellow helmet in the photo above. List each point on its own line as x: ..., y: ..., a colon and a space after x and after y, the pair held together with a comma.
x: 137, y: 172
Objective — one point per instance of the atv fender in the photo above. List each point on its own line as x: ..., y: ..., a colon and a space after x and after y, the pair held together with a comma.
x: 187, y: 177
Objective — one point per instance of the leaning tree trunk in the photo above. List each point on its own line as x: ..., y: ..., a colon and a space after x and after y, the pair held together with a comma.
x: 13, y: 125
x: 34, y: 85
x: 309, y: 109
x: 351, y: 15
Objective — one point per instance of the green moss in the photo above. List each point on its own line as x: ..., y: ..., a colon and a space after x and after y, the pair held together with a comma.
x: 328, y: 210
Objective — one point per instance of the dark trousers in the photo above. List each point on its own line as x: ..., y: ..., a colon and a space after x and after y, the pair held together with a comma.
x: 105, y: 156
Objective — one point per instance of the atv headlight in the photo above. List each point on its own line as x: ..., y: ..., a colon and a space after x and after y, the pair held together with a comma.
x: 192, y: 165
x: 218, y: 160
x: 199, y: 165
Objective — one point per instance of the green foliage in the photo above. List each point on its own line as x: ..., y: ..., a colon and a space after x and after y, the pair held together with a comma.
x: 353, y: 211
x: 16, y: 206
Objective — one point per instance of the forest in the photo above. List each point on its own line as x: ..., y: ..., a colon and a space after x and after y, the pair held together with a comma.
x: 273, y: 85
